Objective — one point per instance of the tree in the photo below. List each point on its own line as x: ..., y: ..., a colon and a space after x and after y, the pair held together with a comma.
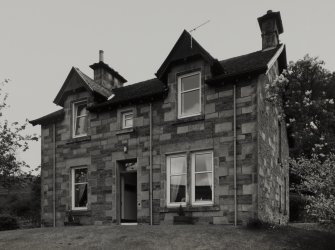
x: 317, y: 185
x: 306, y: 92
x: 11, y: 141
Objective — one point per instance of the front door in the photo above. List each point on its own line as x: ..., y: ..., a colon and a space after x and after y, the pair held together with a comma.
x: 128, y: 195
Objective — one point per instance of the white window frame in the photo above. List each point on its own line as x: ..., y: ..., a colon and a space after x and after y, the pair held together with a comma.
x: 201, y: 203
x: 73, y: 188
x: 75, y: 117
x: 180, y: 92
x: 124, y: 119
x: 168, y: 175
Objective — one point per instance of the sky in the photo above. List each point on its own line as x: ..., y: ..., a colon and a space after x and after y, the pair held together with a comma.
x: 41, y: 40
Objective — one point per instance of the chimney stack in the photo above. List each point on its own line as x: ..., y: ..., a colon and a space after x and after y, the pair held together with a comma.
x: 271, y: 27
x: 105, y: 75
x: 101, y: 56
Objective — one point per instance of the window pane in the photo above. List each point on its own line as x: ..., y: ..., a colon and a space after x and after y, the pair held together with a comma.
x: 81, y: 125
x: 190, y: 102
x: 81, y: 109
x: 203, y: 162
x: 80, y: 195
x: 178, y: 165
x: 127, y: 119
x: 128, y: 123
x: 128, y: 116
x: 178, y: 188
x: 203, y: 187
x: 80, y: 175
x: 190, y: 82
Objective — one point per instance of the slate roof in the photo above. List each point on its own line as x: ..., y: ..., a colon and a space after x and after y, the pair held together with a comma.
x: 96, y: 87
x: 134, y: 93
x: 54, y: 116
x: 255, y: 62
x: 248, y: 62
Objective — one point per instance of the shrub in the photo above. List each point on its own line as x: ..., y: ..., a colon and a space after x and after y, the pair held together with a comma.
x: 8, y: 222
x: 317, y: 186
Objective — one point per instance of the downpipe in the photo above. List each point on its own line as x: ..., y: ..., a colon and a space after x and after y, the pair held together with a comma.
x: 235, y: 171
x: 150, y: 165
x: 54, y: 176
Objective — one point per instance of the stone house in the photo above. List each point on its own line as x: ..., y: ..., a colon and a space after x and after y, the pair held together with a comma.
x: 200, y: 135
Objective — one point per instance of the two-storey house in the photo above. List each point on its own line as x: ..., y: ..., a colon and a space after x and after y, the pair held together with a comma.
x: 200, y: 135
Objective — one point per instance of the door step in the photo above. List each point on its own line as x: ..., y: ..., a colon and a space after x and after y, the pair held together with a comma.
x: 129, y: 224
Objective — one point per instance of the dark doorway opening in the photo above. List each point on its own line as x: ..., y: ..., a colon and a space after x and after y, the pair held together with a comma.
x: 128, y: 193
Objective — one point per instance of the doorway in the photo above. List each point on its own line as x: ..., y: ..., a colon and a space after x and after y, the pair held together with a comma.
x: 128, y: 193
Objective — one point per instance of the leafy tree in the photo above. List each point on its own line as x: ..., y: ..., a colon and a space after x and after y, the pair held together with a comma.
x: 317, y: 185
x: 12, y: 140
x: 306, y: 92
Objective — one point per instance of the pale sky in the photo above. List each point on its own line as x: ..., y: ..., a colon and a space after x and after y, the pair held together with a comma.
x: 41, y: 40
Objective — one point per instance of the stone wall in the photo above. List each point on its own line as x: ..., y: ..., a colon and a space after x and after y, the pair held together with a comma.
x: 273, y: 188
x: 102, y: 151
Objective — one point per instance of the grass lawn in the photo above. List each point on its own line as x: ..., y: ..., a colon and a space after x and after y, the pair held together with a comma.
x: 166, y: 237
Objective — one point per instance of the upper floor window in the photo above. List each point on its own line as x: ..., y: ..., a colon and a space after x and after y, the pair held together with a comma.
x: 79, y: 119
x: 79, y: 188
x: 189, y: 95
x: 127, y: 119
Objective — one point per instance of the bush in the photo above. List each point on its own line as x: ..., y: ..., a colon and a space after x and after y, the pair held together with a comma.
x: 8, y: 222
x: 317, y: 186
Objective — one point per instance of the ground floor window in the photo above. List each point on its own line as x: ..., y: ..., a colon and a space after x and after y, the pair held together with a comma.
x: 199, y: 170
x: 79, y: 188
x: 177, y: 179
x: 202, y: 178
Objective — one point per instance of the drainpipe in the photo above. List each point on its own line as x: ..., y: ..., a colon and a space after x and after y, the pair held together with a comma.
x: 54, y: 176
x: 150, y: 163
x: 235, y: 172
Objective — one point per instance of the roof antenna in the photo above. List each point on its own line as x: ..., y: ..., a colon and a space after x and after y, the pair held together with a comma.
x: 194, y: 29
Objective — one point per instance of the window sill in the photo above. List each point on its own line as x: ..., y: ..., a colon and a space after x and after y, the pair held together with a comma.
x: 79, y: 139
x: 194, y: 208
x: 125, y: 131
x: 189, y: 119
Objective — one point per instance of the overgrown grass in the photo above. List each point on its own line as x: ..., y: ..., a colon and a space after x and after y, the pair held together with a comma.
x: 166, y: 237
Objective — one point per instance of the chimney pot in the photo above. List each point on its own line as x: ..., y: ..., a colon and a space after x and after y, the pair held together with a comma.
x: 101, y: 55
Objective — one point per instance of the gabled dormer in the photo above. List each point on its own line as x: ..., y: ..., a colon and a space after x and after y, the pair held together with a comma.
x: 187, y: 49
x: 77, y: 81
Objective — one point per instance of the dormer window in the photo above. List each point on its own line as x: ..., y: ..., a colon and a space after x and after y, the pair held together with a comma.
x: 127, y: 119
x: 189, y: 95
x: 79, y: 119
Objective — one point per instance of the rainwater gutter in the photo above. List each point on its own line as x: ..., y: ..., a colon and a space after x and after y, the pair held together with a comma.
x: 150, y: 166
x: 235, y: 171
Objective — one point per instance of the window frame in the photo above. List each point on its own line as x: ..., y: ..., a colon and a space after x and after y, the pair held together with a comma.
x: 123, y: 119
x: 73, y: 184
x: 193, y: 173
x: 75, y: 117
x: 168, y: 180
x: 180, y: 92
